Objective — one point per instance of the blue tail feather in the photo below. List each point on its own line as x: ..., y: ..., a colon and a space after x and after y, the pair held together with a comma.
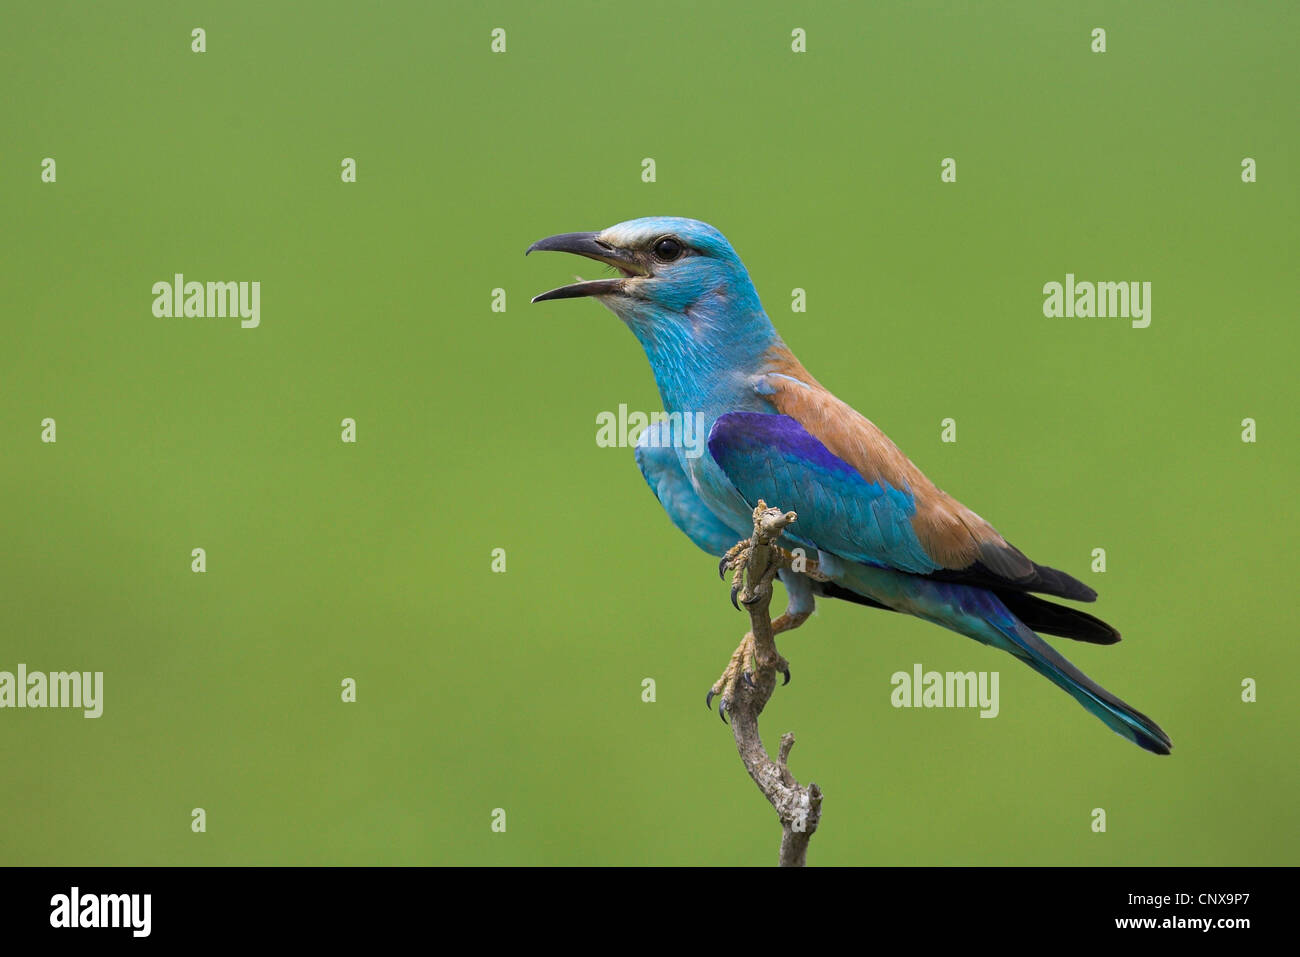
x: 980, y: 614
x: 1051, y: 664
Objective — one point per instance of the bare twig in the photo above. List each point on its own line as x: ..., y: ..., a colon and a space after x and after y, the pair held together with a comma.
x: 798, y: 808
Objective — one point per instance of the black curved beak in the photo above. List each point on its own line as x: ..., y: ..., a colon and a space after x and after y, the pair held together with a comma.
x: 587, y: 244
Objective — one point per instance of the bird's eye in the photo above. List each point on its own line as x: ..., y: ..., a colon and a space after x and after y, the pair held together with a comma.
x: 667, y: 249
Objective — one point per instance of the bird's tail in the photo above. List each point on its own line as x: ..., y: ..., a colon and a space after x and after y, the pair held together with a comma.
x: 981, y: 614
x: 1048, y: 662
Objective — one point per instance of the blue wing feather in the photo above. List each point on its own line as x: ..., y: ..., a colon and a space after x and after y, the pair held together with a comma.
x: 774, y: 458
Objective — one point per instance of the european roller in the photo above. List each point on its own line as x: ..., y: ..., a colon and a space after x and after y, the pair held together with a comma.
x: 884, y: 535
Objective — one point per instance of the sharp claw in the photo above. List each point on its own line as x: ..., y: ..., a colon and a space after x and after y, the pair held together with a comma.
x: 708, y: 699
x: 722, y: 567
x: 735, y: 590
x: 722, y: 711
x: 748, y: 680
x: 786, y: 672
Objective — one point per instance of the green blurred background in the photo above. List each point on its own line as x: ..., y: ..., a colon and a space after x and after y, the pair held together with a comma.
x: 476, y: 429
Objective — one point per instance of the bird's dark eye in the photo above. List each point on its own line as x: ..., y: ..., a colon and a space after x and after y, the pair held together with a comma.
x: 667, y: 249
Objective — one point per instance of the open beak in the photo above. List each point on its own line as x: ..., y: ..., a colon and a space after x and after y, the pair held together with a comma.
x: 587, y: 244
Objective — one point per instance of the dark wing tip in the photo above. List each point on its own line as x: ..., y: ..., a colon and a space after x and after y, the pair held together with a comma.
x: 1050, y: 581
x: 1046, y: 581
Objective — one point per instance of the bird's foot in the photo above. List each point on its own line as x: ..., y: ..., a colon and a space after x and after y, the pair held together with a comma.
x: 735, y: 561
x: 742, y: 667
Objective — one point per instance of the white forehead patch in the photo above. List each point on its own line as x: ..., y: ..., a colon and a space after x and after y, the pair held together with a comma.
x: 639, y: 232
x: 628, y: 235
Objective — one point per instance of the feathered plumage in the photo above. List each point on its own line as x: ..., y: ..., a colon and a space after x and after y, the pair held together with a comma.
x: 886, y: 535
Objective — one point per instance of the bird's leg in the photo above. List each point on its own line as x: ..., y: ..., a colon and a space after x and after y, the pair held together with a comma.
x: 786, y: 622
x: 737, y: 666
x: 768, y: 558
x: 801, y: 603
x: 789, y: 621
x: 742, y: 665
x: 798, y: 609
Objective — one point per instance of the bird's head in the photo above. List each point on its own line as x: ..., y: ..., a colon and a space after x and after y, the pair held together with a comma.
x: 671, y: 270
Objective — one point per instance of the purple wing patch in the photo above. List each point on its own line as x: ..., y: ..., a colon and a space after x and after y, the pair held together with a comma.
x: 745, y: 432
x: 774, y: 458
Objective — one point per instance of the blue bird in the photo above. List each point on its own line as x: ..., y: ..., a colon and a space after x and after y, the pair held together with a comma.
x: 884, y: 535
